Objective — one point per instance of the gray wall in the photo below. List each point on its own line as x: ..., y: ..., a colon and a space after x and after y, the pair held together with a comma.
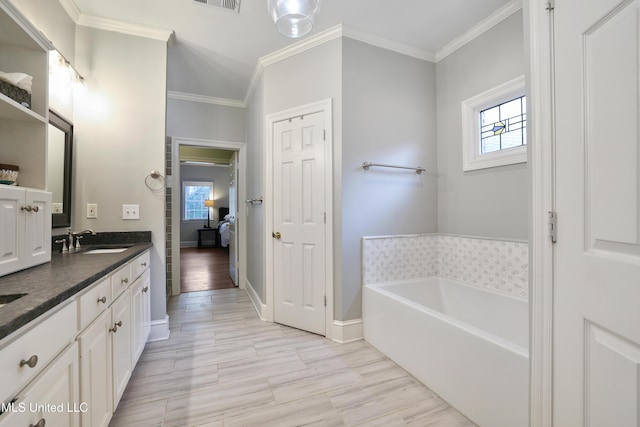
x: 488, y: 202
x: 220, y: 178
x: 120, y: 137
x: 255, y: 119
x: 198, y: 120
x: 389, y: 117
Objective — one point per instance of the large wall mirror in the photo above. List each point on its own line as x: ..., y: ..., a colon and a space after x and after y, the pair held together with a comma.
x: 59, y: 169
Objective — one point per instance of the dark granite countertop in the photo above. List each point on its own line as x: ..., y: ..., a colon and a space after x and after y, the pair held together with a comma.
x: 49, y: 284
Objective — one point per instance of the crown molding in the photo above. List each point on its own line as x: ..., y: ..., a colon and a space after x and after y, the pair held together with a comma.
x: 203, y: 99
x: 352, y: 33
x: 107, y: 24
x: 477, y: 30
x: 322, y: 37
x: 71, y: 8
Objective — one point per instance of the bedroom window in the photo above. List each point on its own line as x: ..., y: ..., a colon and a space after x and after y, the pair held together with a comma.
x: 494, y: 127
x: 194, y: 194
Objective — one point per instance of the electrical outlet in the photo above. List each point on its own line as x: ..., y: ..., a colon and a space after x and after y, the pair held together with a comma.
x: 56, y: 208
x: 130, y: 211
x: 92, y: 210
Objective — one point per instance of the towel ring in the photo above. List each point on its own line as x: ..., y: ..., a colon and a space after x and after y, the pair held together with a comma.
x: 154, y: 175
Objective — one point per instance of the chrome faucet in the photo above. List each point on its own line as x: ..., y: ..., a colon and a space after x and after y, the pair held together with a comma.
x: 74, y: 238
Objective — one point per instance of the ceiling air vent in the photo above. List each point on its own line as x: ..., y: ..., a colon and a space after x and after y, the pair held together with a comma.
x: 230, y: 5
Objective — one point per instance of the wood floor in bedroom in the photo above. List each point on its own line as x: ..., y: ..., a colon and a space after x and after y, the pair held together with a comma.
x: 222, y: 366
x: 203, y: 269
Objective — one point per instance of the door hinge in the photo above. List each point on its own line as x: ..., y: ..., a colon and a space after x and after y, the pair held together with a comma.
x: 549, y: 6
x: 324, y: 134
x: 325, y: 217
x: 553, y: 226
x: 325, y: 300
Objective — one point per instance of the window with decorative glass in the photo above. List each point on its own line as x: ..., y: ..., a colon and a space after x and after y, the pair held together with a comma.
x: 194, y: 194
x: 494, y: 127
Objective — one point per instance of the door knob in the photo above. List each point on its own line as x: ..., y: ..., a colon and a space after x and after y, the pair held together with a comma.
x: 276, y: 235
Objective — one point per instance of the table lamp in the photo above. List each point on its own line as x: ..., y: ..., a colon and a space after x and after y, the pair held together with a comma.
x: 209, y: 204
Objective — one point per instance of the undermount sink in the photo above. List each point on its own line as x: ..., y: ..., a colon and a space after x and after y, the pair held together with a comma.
x: 106, y: 251
x: 6, y: 299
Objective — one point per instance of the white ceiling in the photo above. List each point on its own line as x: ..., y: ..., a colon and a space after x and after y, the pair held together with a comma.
x: 216, y: 51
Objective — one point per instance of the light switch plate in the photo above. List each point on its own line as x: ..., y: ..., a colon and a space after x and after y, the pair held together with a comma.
x: 92, y: 210
x: 130, y: 211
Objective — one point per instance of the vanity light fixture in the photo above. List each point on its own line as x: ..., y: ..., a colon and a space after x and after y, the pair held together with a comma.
x: 293, y: 18
x: 64, y: 74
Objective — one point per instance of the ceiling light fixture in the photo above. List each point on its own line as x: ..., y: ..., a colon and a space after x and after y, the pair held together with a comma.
x: 293, y: 18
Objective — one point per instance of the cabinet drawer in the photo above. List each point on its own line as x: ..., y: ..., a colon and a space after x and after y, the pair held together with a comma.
x: 120, y: 280
x: 140, y: 265
x: 44, y: 340
x: 93, y: 302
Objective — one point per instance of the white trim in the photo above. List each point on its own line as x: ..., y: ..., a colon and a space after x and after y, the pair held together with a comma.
x: 477, y: 30
x: 326, y: 106
x: 541, y: 166
x: 241, y: 148
x: 107, y: 24
x: 192, y: 97
x: 352, y: 33
x: 329, y: 34
x: 189, y: 243
x: 347, y: 331
x: 261, y: 309
x: 71, y: 8
x: 159, y: 330
x: 472, y: 159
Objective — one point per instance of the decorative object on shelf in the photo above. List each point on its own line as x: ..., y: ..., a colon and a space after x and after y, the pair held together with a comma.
x: 255, y: 201
x: 367, y: 165
x: 209, y: 204
x: 154, y: 175
x: 293, y: 18
x: 17, y: 86
x: 9, y: 174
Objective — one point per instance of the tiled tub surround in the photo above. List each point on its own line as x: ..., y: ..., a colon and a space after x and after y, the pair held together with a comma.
x: 452, y: 311
x: 497, y: 265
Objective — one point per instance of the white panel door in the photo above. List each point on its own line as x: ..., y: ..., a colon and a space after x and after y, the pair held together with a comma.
x: 597, y: 256
x: 298, y: 222
x: 121, y: 330
x: 233, y: 225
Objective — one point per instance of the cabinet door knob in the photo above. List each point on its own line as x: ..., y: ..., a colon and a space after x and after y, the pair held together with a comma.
x: 145, y: 289
x: 102, y: 300
x: 40, y: 423
x: 144, y: 264
x: 30, y: 362
x: 276, y: 235
x: 26, y: 208
x: 125, y: 280
x: 115, y: 327
x: 36, y: 209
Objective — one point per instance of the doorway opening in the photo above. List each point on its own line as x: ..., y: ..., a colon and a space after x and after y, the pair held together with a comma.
x: 208, y: 244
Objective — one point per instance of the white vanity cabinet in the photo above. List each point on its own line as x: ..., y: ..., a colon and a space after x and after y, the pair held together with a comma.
x: 52, y: 399
x: 112, y: 342
x: 38, y: 370
x: 70, y: 366
x: 25, y: 228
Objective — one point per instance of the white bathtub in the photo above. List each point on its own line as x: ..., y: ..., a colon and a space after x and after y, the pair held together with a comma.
x: 468, y: 345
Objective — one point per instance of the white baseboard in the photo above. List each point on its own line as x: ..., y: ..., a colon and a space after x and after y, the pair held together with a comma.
x: 189, y: 244
x: 255, y: 300
x: 159, y: 330
x: 347, y: 331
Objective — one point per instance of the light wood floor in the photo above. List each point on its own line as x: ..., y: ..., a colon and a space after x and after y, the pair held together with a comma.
x: 224, y: 367
x: 204, y: 269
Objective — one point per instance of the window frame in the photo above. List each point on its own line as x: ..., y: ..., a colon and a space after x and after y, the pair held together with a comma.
x: 186, y: 184
x: 472, y: 156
